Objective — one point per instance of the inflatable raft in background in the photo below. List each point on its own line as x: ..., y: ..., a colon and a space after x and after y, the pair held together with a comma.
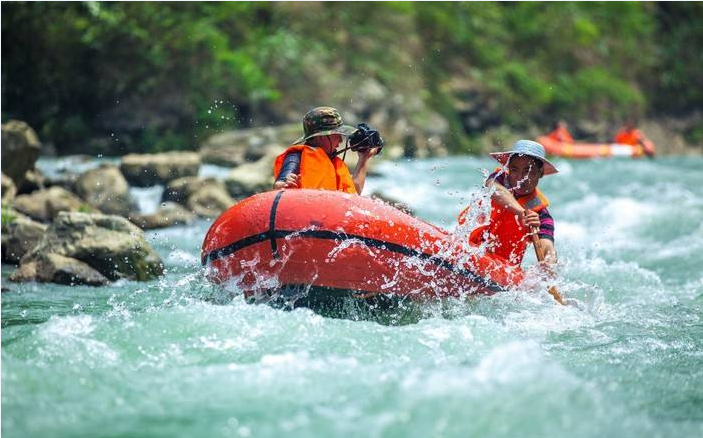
x: 590, y: 150
x: 337, y: 244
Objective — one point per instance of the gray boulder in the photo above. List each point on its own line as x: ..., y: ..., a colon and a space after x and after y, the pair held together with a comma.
x: 33, y: 180
x: 9, y: 190
x: 110, y: 245
x: 228, y: 156
x: 179, y: 190
x: 44, y: 205
x: 55, y: 268
x: 210, y: 201
x: 168, y: 215
x: 19, y: 235
x: 20, y: 150
x: 234, y: 148
x: 144, y: 170
x: 251, y: 178
x: 206, y: 197
x: 106, y: 189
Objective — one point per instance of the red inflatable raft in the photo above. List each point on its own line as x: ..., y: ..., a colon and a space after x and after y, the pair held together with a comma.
x: 590, y: 150
x: 335, y: 242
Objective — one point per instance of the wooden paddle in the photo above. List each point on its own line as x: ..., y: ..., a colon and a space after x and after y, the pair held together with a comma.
x: 540, y: 257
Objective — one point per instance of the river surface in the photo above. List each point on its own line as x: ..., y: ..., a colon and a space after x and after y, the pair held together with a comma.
x: 156, y: 359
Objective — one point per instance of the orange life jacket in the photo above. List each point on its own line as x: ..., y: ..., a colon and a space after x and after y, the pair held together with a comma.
x: 318, y: 170
x: 505, y: 233
x: 628, y: 136
x: 562, y: 135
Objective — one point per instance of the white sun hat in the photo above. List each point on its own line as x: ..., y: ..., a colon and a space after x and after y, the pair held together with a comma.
x: 529, y: 148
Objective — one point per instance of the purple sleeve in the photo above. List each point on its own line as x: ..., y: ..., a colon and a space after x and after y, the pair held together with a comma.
x: 546, y: 225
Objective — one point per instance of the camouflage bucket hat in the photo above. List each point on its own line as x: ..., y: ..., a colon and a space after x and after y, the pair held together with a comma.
x: 323, y: 120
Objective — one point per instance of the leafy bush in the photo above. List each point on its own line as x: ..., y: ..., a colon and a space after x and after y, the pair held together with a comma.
x: 163, y: 75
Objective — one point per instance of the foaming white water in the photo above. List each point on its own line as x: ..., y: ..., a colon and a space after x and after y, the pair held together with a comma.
x: 148, y: 198
x: 70, y: 165
x: 180, y: 257
x: 213, y: 171
x: 78, y: 361
x: 73, y: 338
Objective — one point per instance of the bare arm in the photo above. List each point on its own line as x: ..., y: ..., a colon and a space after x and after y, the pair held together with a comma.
x: 503, y: 197
x: 506, y: 200
x: 550, y: 253
x: 362, y: 166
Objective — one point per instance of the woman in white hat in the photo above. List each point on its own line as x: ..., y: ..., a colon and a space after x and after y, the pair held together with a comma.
x: 518, y: 207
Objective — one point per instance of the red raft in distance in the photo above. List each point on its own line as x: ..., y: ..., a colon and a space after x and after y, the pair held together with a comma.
x: 341, y: 242
x: 590, y: 150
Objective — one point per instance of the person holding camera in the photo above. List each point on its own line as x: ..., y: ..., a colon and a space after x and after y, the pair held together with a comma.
x: 312, y: 161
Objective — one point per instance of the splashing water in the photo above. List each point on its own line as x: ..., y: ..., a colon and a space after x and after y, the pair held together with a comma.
x: 162, y: 359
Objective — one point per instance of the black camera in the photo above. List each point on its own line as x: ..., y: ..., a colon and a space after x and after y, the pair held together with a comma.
x: 365, y: 138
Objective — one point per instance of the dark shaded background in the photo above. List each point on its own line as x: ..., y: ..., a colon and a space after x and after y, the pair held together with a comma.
x: 117, y: 77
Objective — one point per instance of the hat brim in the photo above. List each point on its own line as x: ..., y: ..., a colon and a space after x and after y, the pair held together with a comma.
x: 344, y: 130
x: 503, y: 157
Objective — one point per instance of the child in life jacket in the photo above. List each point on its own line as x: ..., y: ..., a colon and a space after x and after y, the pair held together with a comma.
x: 518, y: 207
x: 311, y: 162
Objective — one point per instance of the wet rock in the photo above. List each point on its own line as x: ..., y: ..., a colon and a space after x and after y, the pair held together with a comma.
x: 228, y: 156
x: 167, y: 216
x: 144, y: 170
x: 33, y: 180
x: 206, y: 197
x: 9, y: 190
x: 110, y: 245
x: 106, y: 189
x: 179, y: 190
x: 20, y: 150
x: 44, y: 205
x: 234, y: 148
x: 55, y: 268
x: 251, y: 178
x: 210, y: 201
x: 64, y: 180
x: 19, y: 235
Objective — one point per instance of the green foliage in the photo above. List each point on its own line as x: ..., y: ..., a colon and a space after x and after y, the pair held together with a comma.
x: 86, y: 208
x: 679, y: 71
x: 8, y: 216
x: 695, y: 135
x: 163, y: 75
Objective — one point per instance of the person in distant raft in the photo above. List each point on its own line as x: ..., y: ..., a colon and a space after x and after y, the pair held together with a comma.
x: 518, y: 207
x: 312, y: 161
x: 561, y: 133
x: 628, y: 134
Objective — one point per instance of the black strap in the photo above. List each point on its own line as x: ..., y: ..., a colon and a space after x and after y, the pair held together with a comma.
x: 272, y: 225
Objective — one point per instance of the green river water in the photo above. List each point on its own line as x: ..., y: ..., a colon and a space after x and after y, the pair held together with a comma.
x: 158, y: 360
